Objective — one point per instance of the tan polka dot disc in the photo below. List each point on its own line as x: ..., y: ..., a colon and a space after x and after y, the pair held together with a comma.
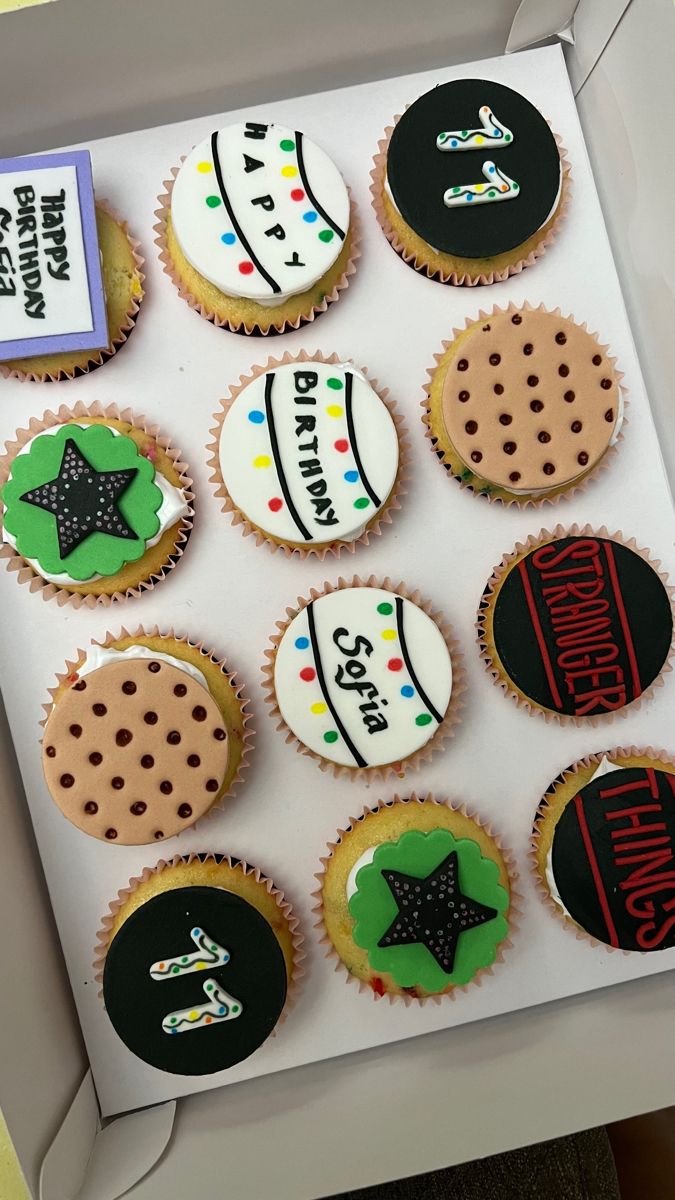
x: 134, y: 752
x: 530, y: 400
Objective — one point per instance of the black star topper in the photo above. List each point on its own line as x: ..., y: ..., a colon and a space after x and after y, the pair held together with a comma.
x: 433, y: 911
x: 83, y: 500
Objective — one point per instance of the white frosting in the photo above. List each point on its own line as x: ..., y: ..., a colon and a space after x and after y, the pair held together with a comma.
x: 309, y: 453
x: 263, y: 198
x: 173, y: 508
x: 605, y: 768
x: 100, y: 656
x: 499, y: 186
x: 364, y: 860
x: 354, y: 700
x: 491, y: 134
x: 207, y: 955
x: 220, y: 1006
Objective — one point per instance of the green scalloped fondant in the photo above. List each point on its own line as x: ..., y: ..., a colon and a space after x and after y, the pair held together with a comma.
x: 35, y: 528
x: 373, y: 908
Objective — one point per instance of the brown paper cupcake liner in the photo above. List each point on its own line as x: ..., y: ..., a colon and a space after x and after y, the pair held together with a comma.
x: 70, y: 675
x: 59, y: 592
x: 583, y: 767
x: 484, y: 623
x: 98, y: 357
x: 374, y: 528
x: 445, y: 730
x: 493, y: 492
x: 298, y: 971
x: 465, y: 278
x: 514, y: 911
x: 254, y: 330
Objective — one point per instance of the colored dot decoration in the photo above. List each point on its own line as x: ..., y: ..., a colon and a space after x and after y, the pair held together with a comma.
x: 335, y: 410
x: 286, y: 144
x: 228, y: 239
x: 351, y: 477
x: 275, y: 504
x: 307, y: 674
x: 362, y: 502
x: 213, y: 201
x: 204, y: 167
x: 385, y: 609
x: 330, y: 736
x: 342, y: 445
x: 256, y: 417
x: 389, y: 635
x: 245, y: 268
x: 310, y: 217
x: 395, y: 664
x: 301, y: 643
x: 326, y: 235
x: 423, y: 719
x: 297, y: 194
x: 262, y: 460
x: 335, y: 384
x: 319, y: 708
x: 407, y: 691
x: 289, y: 172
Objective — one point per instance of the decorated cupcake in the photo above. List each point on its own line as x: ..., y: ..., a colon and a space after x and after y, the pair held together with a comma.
x: 523, y: 405
x: 97, y: 505
x: 70, y: 273
x: 470, y: 183
x: 415, y: 898
x: 307, y: 456
x: 256, y: 228
x: 602, y: 845
x: 145, y: 734
x: 365, y: 678
x: 576, y: 624
x: 206, y: 916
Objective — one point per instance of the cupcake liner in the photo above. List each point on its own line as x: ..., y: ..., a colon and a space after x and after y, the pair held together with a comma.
x: 98, y: 357
x: 58, y: 592
x: 505, y: 498
x: 589, y: 763
x: 514, y: 910
x: 463, y: 279
x: 255, y: 330
x: 445, y: 729
x: 384, y: 516
x: 490, y: 593
x: 103, y: 936
x: 70, y: 675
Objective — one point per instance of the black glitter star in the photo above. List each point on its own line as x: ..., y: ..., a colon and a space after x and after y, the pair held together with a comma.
x: 83, y: 500
x: 433, y: 911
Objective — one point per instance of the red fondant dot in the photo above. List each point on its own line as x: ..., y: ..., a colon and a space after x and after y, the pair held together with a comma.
x: 308, y: 674
x: 275, y: 504
x: 395, y: 664
x: 245, y: 268
x: 342, y: 445
x: 297, y: 194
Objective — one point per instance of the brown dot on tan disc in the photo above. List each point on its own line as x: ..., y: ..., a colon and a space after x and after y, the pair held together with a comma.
x: 516, y: 319
x: 605, y: 383
x: 528, y: 348
x: 563, y: 370
x: 199, y: 712
x: 462, y: 364
x: 96, y: 758
x: 219, y: 735
x: 166, y: 787
x: 137, y: 808
x: 173, y: 738
x: 532, y: 380
x: 498, y: 389
x: 464, y: 396
x: 193, y: 760
x: 544, y: 436
x: 212, y: 785
x: 50, y: 752
x: 147, y: 761
x: 514, y: 476
x: 76, y: 731
x: 509, y: 447
x: 609, y: 415
x: 111, y: 834
x: 184, y: 811
x: 117, y: 782
x: 129, y: 687
x: 91, y: 807
x: 99, y: 710
x: 495, y: 360
x: 158, y: 835
x: 487, y: 328
x: 536, y: 405
x: 576, y: 426
x: 505, y: 418
x: 150, y: 717
x: 180, y: 689
x: 569, y: 396
x: 67, y: 780
x: 597, y: 359
x: 549, y: 469
x: 471, y: 427
x: 582, y: 458
x: 80, y: 685
x: 560, y: 338
x: 154, y: 667
x: 123, y: 737
x: 476, y: 456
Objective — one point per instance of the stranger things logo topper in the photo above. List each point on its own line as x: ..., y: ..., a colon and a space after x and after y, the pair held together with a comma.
x: 51, y: 287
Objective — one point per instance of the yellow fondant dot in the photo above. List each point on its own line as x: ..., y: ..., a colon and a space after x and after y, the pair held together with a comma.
x: 263, y: 460
x: 334, y: 410
x: 194, y: 1015
x: 199, y: 966
x: 289, y: 172
x: 318, y: 708
x: 480, y: 187
x: 388, y: 634
x: 479, y: 141
x: 204, y: 167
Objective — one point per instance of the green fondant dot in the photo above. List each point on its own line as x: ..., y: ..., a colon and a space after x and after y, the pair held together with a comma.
x: 209, y: 987
x: 175, y: 970
x: 330, y: 737
x: 491, y: 194
x: 326, y: 235
x: 213, y: 201
x: 287, y: 144
x: 507, y: 137
x: 214, y: 948
x: 335, y: 384
x: 235, y: 1008
x: 515, y: 187
x: 455, y: 190
x: 362, y: 502
x: 184, y: 959
x: 464, y: 133
x: 423, y: 719
x: 385, y: 608
x: 173, y: 1020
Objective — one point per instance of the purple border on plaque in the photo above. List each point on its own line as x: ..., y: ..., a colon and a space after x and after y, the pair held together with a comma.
x: 97, y: 337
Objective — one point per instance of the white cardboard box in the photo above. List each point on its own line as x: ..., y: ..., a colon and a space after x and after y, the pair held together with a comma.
x: 530, y: 1047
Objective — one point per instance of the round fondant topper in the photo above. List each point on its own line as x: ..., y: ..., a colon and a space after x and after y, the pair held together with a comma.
x: 309, y: 452
x: 582, y: 625
x: 260, y: 210
x: 462, y: 150
x: 194, y: 980
x: 363, y: 677
x: 612, y: 858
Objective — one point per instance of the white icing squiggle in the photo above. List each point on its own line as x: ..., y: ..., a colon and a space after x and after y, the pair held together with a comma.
x: 491, y: 133
x: 220, y: 1006
x: 499, y: 186
x: 100, y: 656
x: 207, y: 954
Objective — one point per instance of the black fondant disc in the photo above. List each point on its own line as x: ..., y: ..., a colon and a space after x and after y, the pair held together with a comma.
x: 613, y: 858
x: 419, y: 173
x: 582, y: 626
x: 254, y: 977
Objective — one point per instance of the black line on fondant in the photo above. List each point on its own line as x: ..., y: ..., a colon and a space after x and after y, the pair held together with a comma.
x: 237, y: 227
x: 310, y: 194
x: 406, y: 658
x: 269, y: 383
x: 358, y: 758
x: 352, y: 440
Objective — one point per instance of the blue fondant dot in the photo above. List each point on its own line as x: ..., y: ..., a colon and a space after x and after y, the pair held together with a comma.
x: 221, y: 1009
x: 469, y: 197
x: 352, y: 476
x: 407, y: 691
x: 173, y: 1031
x: 197, y: 931
x: 491, y: 170
x: 228, y: 238
x: 256, y: 417
x: 309, y: 217
x: 301, y: 643
x: 453, y: 142
x: 496, y: 133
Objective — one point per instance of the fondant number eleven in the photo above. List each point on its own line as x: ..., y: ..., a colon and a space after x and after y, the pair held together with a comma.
x: 219, y: 1006
x: 499, y: 185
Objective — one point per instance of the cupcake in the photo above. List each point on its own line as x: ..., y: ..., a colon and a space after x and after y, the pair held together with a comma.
x: 256, y: 229
x: 470, y: 183
x: 205, y: 913
x: 576, y: 624
x: 414, y: 898
x: 523, y: 405
x: 145, y: 734
x: 97, y: 506
x: 306, y: 455
x: 602, y: 845
x: 364, y: 678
